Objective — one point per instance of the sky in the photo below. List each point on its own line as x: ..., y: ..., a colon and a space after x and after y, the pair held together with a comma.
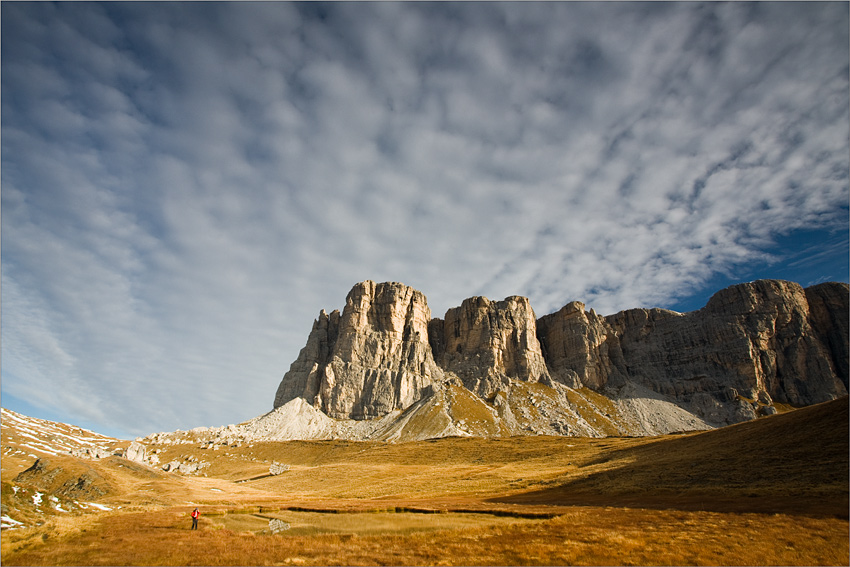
x: 186, y: 185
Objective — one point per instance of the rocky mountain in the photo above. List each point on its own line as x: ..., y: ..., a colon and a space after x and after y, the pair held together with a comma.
x: 765, y: 340
x: 385, y: 369
x: 369, y: 361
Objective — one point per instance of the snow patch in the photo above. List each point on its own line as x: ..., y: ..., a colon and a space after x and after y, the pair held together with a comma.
x: 48, y: 437
x: 8, y: 523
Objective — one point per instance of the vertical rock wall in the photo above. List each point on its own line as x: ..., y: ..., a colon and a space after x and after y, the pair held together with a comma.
x: 581, y: 348
x: 304, y: 376
x: 751, y: 345
x: 369, y: 361
x: 828, y: 316
x: 766, y: 340
x: 488, y: 343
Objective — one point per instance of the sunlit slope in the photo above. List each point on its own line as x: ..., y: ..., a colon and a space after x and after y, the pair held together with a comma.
x: 797, y: 461
x: 26, y: 438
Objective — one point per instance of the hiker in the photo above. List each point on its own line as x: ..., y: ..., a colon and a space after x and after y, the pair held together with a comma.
x: 195, y: 515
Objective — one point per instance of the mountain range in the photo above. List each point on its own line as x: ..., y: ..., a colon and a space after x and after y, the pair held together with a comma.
x: 384, y: 369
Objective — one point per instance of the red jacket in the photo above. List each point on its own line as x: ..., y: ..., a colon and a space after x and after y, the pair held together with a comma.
x: 195, y: 513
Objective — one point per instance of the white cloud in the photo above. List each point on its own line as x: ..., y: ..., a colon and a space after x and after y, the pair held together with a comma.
x: 183, y: 191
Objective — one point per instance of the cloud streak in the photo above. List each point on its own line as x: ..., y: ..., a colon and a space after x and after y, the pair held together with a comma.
x: 184, y: 187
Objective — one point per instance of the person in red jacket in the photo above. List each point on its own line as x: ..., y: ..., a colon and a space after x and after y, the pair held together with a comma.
x: 195, y: 515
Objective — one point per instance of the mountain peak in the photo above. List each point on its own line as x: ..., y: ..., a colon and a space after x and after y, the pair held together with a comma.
x: 753, y: 350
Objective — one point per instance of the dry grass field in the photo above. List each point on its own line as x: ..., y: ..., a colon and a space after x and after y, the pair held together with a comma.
x: 769, y: 492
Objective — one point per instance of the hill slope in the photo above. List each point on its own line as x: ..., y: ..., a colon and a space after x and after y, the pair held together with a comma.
x: 25, y: 436
x: 795, y: 462
x: 454, y: 500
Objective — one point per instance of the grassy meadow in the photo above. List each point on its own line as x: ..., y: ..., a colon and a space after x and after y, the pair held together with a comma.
x: 769, y: 492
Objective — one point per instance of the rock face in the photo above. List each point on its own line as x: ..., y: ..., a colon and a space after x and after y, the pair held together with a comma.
x: 489, y: 343
x: 760, y: 341
x: 372, y: 359
x: 580, y: 347
x: 828, y: 317
x: 640, y: 371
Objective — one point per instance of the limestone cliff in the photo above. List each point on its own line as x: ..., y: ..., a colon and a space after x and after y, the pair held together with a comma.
x: 305, y: 374
x: 372, y: 359
x: 828, y: 317
x: 762, y: 341
x: 489, y: 343
x: 573, y: 372
x: 580, y: 347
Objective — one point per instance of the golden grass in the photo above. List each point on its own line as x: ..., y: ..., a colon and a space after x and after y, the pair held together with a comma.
x: 581, y: 536
x: 596, y: 409
x: 795, y: 462
x: 783, y: 408
x: 773, y: 491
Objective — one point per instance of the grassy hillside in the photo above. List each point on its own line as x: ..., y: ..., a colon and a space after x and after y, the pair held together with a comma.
x: 792, y: 462
x: 773, y: 491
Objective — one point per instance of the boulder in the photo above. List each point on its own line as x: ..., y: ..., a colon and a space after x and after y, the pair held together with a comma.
x: 276, y: 525
x: 135, y: 452
x: 277, y: 468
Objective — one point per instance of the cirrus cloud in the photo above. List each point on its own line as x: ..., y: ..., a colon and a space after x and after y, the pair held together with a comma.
x: 185, y: 186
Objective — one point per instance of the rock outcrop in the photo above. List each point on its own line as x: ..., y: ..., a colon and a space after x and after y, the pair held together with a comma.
x: 758, y: 343
x: 371, y: 360
x: 90, y: 453
x: 580, y: 348
x: 277, y: 468
x: 384, y: 369
x: 136, y: 452
x: 489, y: 343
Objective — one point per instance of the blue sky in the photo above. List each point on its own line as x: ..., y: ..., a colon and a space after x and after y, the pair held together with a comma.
x: 186, y: 185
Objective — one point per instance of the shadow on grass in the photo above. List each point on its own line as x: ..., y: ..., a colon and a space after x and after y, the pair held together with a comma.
x: 793, y: 463
x: 267, y: 475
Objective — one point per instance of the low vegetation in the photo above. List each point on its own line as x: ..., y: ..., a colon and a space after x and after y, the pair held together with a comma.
x: 579, y: 535
x: 769, y: 492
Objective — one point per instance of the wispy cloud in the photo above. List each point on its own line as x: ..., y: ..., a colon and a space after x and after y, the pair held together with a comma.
x: 185, y: 186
